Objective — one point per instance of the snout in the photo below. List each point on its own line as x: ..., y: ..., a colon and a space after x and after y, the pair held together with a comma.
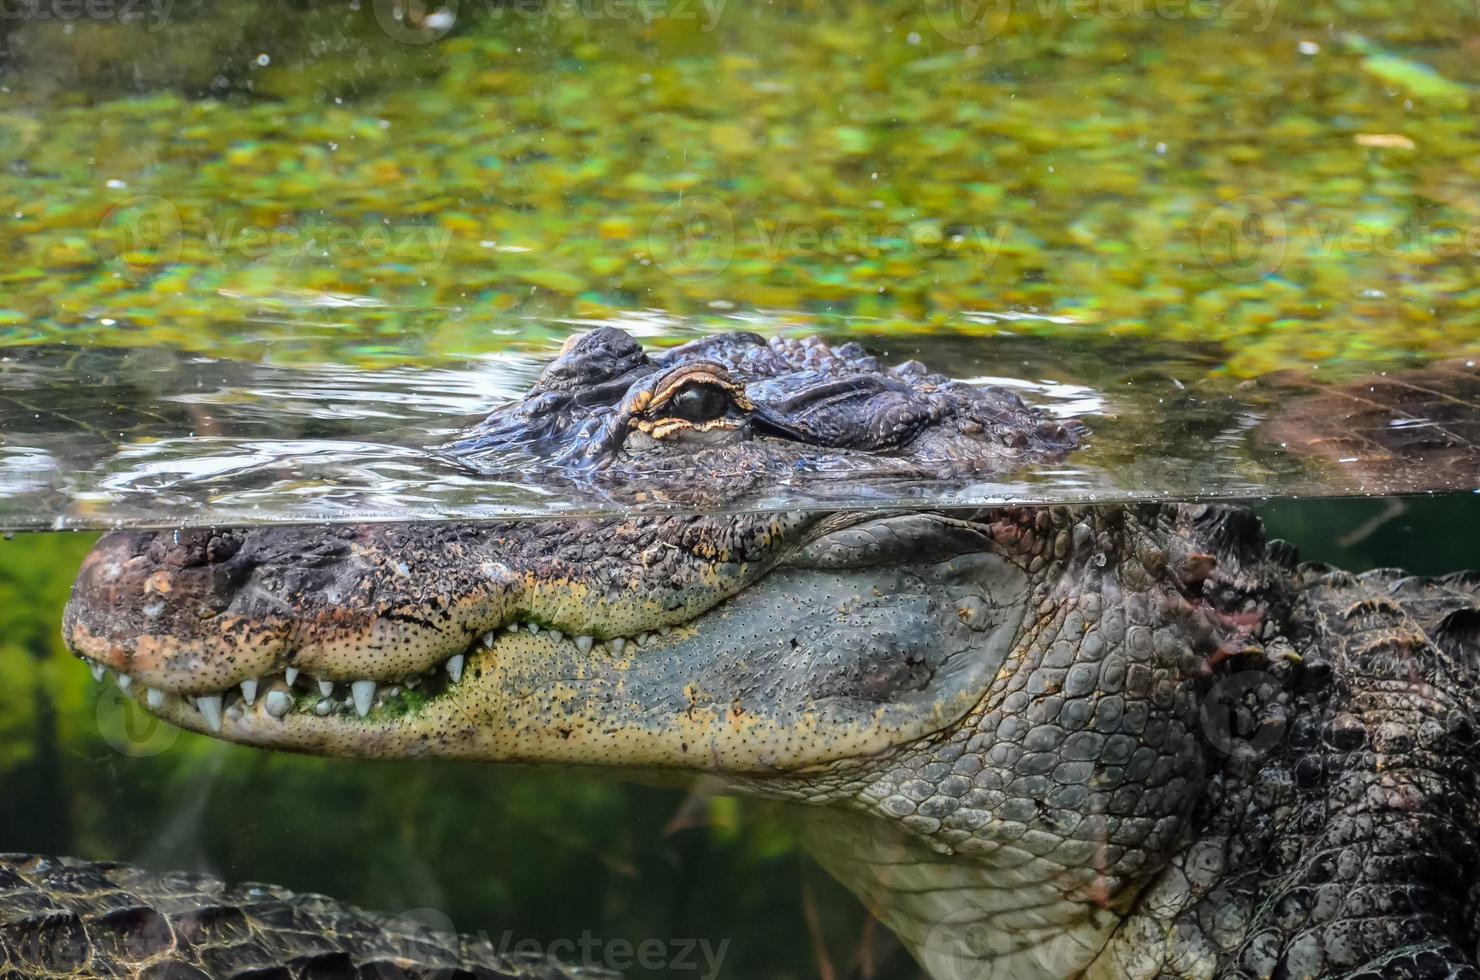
x: 157, y: 605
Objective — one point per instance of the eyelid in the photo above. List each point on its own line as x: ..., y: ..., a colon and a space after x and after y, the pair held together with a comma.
x: 697, y: 374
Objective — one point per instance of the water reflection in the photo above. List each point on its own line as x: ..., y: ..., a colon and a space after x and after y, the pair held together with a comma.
x: 126, y: 436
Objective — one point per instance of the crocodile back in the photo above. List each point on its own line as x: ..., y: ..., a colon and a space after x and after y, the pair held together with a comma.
x: 1339, y: 836
x: 60, y: 917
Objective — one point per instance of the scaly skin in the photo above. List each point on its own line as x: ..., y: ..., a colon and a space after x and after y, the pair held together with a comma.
x: 67, y: 918
x: 1038, y: 742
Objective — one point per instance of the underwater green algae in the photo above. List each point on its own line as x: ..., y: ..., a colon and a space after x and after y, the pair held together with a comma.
x: 1296, y: 183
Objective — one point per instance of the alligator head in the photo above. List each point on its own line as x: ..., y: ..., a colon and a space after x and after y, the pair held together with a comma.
x: 1013, y: 688
x: 480, y: 640
x: 719, y: 419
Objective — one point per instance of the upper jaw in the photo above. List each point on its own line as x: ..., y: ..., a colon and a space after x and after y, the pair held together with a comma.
x: 342, y: 621
x: 831, y: 638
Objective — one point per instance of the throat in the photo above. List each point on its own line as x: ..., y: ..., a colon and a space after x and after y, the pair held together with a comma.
x: 962, y: 919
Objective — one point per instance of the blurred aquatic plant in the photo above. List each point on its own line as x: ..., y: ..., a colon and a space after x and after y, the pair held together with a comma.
x: 291, y: 178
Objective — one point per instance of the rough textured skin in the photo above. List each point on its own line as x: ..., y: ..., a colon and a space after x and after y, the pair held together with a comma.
x: 603, y: 417
x: 1264, y: 772
x: 1038, y: 742
x: 199, y: 609
x: 1340, y: 839
x: 65, y: 918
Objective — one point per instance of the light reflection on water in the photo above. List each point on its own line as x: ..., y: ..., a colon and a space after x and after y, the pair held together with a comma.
x: 126, y: 436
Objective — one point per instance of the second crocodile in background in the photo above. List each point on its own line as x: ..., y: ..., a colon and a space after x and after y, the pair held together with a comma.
x: 1038, y: 742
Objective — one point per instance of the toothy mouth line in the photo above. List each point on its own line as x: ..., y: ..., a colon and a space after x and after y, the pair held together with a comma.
x: 280, y: 694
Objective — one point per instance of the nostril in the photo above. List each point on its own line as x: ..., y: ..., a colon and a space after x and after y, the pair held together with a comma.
x: 194, y: 546
x: 224, y: 545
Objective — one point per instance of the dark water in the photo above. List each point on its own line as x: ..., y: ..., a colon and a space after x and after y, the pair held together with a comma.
x: 540, y: 856
x: 103, y: 437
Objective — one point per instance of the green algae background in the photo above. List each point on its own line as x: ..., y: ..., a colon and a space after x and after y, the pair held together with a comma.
x: 324, y: 181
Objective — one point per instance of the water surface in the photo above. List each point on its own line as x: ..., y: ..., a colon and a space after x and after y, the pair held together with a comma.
x: 111, y: 436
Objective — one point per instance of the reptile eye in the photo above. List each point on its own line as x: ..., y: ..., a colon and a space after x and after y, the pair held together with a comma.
x: 699, y: 403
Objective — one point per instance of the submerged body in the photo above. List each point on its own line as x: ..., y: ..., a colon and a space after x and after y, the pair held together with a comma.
x: 1038, y: 742
x: 66, y: 918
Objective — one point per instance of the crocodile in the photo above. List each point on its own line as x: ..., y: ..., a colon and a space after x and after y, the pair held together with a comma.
x: 1103, y: 741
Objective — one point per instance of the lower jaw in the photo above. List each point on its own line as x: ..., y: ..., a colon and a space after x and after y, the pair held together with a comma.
x: 537, y: 698
x: 288, y: 705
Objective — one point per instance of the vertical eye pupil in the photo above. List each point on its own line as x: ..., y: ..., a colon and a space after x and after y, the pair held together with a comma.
x: 700, y: 403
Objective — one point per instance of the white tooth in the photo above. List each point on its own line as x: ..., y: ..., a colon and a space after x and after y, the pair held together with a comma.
x: 277, y: 703
x: 488, y: 639
x: 391, y: 692
x: 364, y: 694
x: 616, y: 644
x: 326, y: 688
x: 210, y: 709
x: 154, y: 698
x: 323, y: 707
x: 125, y: 682
x: 583, y: 643
x: 664, y: 630
x: 98, y: 672
x: 455, y: 668
x: 413, y: 682
x: 534, y: 627
x: 643, y: 639
x: 290, y: 675
x: 556, y: 635
x: 249, y: 690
